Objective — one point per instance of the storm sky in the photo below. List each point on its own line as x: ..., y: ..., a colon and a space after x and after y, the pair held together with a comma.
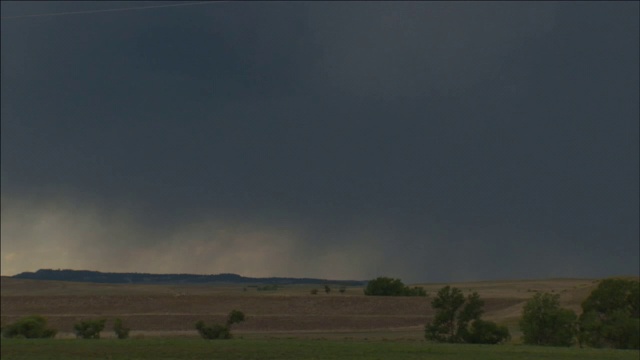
x: 428, y: 141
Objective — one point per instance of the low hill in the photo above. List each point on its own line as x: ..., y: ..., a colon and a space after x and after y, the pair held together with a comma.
x: 143, y: 278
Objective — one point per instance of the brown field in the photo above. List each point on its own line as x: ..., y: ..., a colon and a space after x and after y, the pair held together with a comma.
x: 172, y: 310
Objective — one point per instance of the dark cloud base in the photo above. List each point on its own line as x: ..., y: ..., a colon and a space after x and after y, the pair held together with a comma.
x: 429, y: 141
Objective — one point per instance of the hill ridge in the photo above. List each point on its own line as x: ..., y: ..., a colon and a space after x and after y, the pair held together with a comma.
x: 150, y: 278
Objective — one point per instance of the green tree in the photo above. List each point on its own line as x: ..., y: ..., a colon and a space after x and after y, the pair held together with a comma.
x: 218, y: 331
x: 30, y: 327
x: 447, y: 304
x: 89, y: 329
x: 458, y: 320
x: 544, y: 322
x: 236, y: 316
x: 327, y: 289
x: 385, y: 286
x: 486, y: 332
x: 121, y: 331
x: 611, y: 316
x: 471, y: 311
x: 342, y: 289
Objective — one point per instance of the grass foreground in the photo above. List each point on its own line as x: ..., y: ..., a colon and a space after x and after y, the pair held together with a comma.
x: 158, y: 348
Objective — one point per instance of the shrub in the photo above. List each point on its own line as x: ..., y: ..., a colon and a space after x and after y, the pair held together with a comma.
x: 327, y: 289
x: 544, y: 322
x: 89, y: 329
x: 213, y: 332
x: 220, y: 331
x: 121, y: 331
x: 314, y: 291
x: 342, y: 289
x: 30, y: 327
x: 487, y: 332
x: 236, y: 316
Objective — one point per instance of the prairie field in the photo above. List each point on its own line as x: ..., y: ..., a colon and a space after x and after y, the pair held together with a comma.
x: 158, y: 310
x: 286, y: 323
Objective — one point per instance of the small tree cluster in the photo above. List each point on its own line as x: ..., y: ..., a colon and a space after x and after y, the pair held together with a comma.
x: 611, y: 315
x: 121, y: 331
x: 610, y: 318
x: 544, y: 322
x: 384, y: 286
x: 89, y: 329
x: 30, y: 327
x: 220, y: 331
x: 458, y: 320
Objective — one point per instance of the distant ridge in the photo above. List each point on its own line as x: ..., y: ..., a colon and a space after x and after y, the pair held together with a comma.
x: 145, y: 278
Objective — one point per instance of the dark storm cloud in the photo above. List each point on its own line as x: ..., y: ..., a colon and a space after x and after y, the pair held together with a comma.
x: 431, y: 141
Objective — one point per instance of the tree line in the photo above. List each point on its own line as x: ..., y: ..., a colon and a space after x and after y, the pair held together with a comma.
x: 610, y: 316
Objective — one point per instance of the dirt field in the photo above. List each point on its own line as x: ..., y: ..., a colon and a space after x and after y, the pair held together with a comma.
x: 163, y: 309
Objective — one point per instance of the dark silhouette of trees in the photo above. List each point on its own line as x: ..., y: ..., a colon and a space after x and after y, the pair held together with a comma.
x: 611, y: 316
x: 121, y: 331
x: 30, y: 327
x: 457, y: 320
x: 89, y: 329
x: 384, y: 286
x: 218, y: 331
x: 544, y: 322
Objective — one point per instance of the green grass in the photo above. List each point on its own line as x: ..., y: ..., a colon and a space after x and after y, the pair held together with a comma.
x: 287, y: 349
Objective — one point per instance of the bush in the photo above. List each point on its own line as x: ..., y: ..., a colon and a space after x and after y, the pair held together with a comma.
x: 327, y: 289
x: 487, y: 332
x: 30, y: 327
x: 213, y: 332
x: 314, y: 291
x: 544, y: 322
x: 611, y: 316
x: 236, y: 316
x: 220, y: 331
x: 121, y: 331
x: 384, y: 286
x: 89, y: 329
x: 342, y: 289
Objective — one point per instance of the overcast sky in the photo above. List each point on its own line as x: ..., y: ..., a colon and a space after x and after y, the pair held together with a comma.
x: 422, y: 140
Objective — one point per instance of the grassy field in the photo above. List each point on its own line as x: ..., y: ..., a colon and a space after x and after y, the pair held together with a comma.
x: 159, y: 348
